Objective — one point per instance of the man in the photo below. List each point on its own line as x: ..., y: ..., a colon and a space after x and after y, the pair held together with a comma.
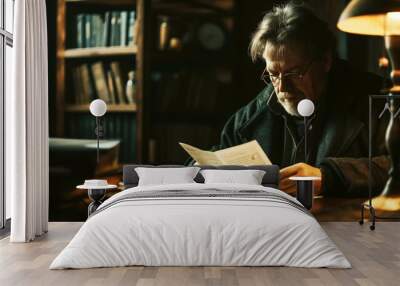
x: 298, y: 49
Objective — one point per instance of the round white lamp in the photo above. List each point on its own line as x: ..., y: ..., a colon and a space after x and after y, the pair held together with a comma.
x: 305, y: 185
x: 98, y: 108
x: 305, y: 107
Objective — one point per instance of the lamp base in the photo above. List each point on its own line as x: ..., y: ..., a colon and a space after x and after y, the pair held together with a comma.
x: 390, y: 196
x: 96, y: 195
x: 305, y: 193
x: 385, y: 203
x: 392, y: 187
x: 372, y: 215
x: 389, y: 199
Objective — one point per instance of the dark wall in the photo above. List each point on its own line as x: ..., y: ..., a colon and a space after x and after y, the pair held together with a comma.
x: 51, y: 8
x: 249, y: 15
x: 362, y: 51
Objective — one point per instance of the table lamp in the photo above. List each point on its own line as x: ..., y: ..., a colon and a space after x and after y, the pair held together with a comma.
x: 305, y: 185
x: 382, y: 18
x: 98, y: 108
x: 305, y: 108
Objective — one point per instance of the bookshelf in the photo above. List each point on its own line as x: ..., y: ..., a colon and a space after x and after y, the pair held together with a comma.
x: 100, y: 48
x: 192, y: 75
x: 184, y: 57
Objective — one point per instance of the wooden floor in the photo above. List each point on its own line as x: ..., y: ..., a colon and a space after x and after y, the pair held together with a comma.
x: 375, y: 256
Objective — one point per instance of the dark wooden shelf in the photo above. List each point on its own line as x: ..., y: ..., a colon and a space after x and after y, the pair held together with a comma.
x: 98, y: 52
x: 110, y: 108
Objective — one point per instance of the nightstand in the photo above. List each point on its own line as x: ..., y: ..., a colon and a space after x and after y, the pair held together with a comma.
x: 305, y: 190
x: 96, y: 191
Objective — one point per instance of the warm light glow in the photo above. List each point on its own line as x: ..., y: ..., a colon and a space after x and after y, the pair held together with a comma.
x: 393, y: 23
x: 383, y: 203
x: 393, y: 16
x: 383, y: 62
x: 363, y: 25
x: 371, y: 17
x: 378, y: 25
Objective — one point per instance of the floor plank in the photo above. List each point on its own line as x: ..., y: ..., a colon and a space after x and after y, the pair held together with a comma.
x: 375, y: 257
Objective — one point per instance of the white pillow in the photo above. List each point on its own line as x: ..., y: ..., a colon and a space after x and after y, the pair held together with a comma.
x: 248, y: 177
x: 163, y: 176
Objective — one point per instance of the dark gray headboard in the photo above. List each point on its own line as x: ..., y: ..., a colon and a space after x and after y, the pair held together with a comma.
x: 270, y: 179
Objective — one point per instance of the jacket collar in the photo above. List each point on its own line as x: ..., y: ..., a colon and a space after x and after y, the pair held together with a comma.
x: 273, y: 104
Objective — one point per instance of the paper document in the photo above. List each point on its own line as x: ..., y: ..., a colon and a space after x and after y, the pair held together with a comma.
x: 249, y: 153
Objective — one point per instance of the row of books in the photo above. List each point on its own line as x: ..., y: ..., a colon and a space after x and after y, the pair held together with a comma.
x: 196, y: 91
x: 106, y: 81
x: 112, y: 28
x: 121, y: 126
x: 164, y: 147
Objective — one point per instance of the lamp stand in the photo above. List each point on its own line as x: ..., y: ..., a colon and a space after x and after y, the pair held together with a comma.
x: 96, y: 195
x: 391, y: 183
x: 99, y: 134
x: 305, y: 139
x: 392, y: 137
x: 390, y: 196
x: 392, y: 140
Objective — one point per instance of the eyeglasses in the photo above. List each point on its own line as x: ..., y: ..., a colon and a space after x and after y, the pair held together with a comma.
x: 294, y: 77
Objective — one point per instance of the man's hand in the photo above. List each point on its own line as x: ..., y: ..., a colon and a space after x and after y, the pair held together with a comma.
x: 299, y: 169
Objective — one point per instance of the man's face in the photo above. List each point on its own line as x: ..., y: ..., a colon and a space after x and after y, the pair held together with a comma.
x: 305, y: 78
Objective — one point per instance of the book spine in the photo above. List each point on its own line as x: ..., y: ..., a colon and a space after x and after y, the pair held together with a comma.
x: 88, y: 31
x: 79, y: 31
x: 87, y: 91
x: 106, y: 29
x: 114, y: 41
x: 93, y: 24
x: 115, y: 67
x: 117, y: 37
x: 111, y: 86
x: 100, y: 81
x: 123, y: 28
x: 101, y: 24
x: 97, y: 30
x: 83, y: 29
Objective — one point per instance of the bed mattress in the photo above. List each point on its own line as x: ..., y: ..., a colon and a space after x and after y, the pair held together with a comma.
x: 201, y: 225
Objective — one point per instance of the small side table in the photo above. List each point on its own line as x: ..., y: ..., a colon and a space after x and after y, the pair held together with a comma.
x: 96, y: 194
x: 305, y: 190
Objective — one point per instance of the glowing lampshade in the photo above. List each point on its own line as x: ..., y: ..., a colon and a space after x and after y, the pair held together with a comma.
x: 371, y: 17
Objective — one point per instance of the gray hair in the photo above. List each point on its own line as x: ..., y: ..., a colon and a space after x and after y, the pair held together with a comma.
x: 294, y: 25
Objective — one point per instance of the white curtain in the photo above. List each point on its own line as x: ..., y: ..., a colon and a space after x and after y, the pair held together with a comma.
x: 27, y: 124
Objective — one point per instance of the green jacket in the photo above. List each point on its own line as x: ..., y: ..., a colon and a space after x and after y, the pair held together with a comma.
x: 338, y: 140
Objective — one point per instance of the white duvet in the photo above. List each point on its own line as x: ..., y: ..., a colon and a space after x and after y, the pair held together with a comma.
x: 200, y: 231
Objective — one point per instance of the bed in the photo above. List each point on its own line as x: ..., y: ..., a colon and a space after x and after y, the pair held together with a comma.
x: 201, y: 224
